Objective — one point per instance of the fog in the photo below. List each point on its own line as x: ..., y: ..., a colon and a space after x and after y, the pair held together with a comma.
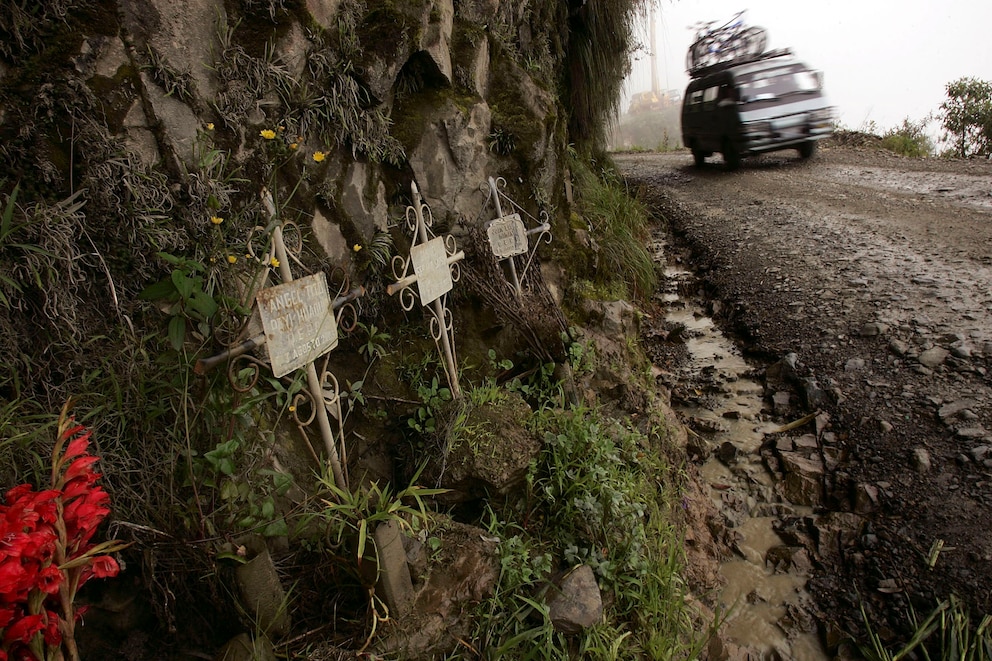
x: 883, y: 60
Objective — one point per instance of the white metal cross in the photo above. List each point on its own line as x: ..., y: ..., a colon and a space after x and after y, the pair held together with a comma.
x: 433, y: 267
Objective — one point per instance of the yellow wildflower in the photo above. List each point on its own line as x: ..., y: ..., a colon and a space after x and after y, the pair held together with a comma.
x: 274, y: 262
x: 210, y: 126
x: 356, y: 247
x: 293, y: 145
x: 232, y: 259
x: 268, y: 134
x: 318, y: 156
x: 216, y: 220
x: 291, y: 408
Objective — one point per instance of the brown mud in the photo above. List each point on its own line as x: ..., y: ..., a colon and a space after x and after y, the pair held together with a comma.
x: 875, y: 273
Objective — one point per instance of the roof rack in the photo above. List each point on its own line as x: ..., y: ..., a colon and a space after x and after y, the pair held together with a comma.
x: 747, y: 59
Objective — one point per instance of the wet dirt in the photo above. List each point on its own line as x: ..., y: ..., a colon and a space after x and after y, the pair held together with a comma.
x: 875, y: 272
x: 716, y: 396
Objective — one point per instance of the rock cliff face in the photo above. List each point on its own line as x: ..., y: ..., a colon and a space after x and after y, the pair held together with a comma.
x: 158, y: 116
x: 436, y: 90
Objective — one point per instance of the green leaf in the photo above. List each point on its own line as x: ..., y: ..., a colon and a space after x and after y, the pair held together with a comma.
x: 171, y: 259
x: 159, y: 290
x: 232, y: 556
x: 268, y: 508
x: 363, y: 529
x: 204, y: 305
x: 229, y: 490
x: 183, y: 284
x: 277, y: 528
x: 177, y: 332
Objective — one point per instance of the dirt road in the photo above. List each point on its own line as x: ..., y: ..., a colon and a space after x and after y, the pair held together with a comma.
x: 875, y: 271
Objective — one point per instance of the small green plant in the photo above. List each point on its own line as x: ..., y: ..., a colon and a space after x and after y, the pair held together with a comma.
x: 958, y: 639
x: 501, y: 141
x: 504, y: 364
x: 539, y: 387
x: 593, y: 493
x: 185, y: 292
x: 357, y: 514
x: 433, y: 396
x: 909, y: 139
x: 375, y: 342
x: 620, y: 226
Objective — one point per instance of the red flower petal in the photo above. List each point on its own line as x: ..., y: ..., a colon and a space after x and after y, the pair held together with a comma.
x: 23, y: 630
x: 6, y: 615
x: 105, y: 566
x: 53, y: 637
x: 80, y: 466
x: 18, y: 492
x: 78, y: 446
x: 49, y: 579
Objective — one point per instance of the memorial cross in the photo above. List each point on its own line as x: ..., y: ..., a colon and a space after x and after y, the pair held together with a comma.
x: 300, y: 323
x: 434, y: 265
x: 509, y: 237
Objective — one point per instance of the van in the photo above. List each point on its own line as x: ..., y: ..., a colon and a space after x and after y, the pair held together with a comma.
x: 753, y: 105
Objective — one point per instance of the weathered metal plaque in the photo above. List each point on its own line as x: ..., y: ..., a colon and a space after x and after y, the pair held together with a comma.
x: 507, y: 236
x: 430, y: 263
x: 298, y: 321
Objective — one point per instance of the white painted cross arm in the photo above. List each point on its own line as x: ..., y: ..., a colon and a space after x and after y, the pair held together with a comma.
x: 411, y: 280
x: 204, y: 365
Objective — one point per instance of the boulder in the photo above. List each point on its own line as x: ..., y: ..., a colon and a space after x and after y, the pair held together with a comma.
x: 934, y: 357
x: 803, y: 481
x: 576, y: 603
x: 323, y: 11
x: 490, y: 452
x: 451, y: 159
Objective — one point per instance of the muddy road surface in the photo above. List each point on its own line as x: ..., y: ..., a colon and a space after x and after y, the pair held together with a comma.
x: 859, y: 285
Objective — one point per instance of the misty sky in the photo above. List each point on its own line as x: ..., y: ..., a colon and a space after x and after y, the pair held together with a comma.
x: 882, y: 60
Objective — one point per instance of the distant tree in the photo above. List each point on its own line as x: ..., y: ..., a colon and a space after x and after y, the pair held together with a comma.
x: 967, y: 116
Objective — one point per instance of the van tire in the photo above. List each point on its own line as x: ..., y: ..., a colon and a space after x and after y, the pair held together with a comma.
x: 807, y: 149
x: 731, y: 156
x: 699, y: 157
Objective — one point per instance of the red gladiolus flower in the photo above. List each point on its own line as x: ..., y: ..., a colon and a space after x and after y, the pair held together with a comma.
x: 81, y: 466
x: 18, y: 492
x: 11, y: 573
x: 23, y: 629
x: 49, y: 579
x: 77, y: 446
x: 6, y: 615
x: 53, y: 636
x: 105, y: 566
x: 35, y: 528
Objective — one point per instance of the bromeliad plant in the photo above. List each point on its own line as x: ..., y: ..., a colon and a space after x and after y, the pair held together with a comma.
x: 47, y: 552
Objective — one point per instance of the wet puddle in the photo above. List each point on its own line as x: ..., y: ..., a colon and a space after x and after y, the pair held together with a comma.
x: 724, y: 410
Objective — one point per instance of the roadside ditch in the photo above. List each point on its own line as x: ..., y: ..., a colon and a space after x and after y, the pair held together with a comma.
x: 750, y: 460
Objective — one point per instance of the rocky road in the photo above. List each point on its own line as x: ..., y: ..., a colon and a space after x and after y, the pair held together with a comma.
x: 875, y: 273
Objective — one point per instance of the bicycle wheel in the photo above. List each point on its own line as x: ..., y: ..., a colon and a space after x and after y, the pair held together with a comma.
x: 753, y: 40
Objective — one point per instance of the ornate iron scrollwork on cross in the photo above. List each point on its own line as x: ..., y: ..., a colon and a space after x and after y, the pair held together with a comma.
x: 433, y: 266
x: 509, y: 235
x: 300, y: 322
